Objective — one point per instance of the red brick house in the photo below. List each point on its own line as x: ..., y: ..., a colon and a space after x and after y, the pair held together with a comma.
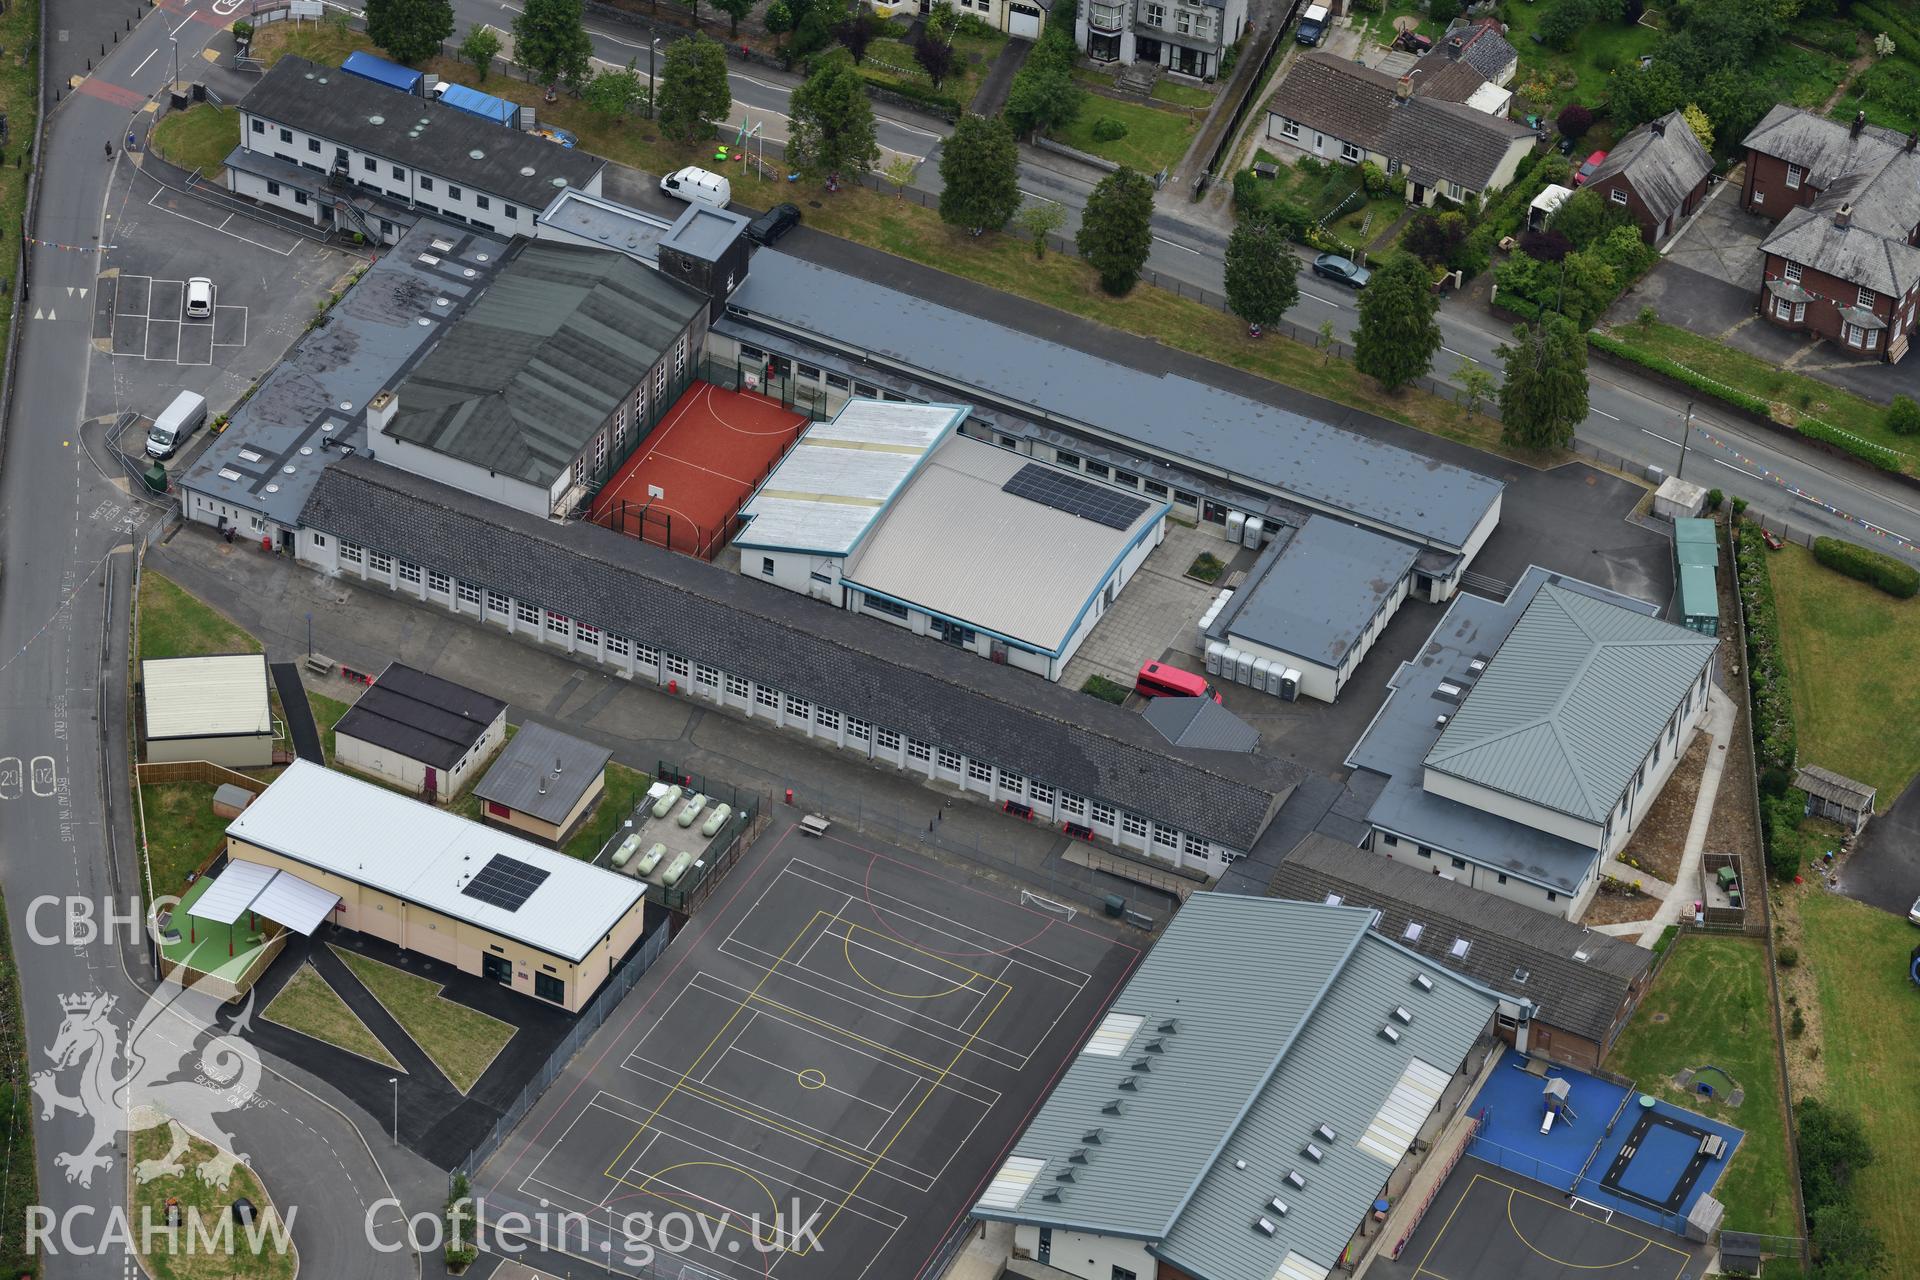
x: 1843, y: 263
x: 1658, y: 173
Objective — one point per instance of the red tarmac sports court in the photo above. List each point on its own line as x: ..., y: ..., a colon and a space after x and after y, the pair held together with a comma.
x: 687, y: 480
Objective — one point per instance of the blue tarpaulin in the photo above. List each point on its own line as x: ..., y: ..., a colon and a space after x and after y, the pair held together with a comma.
x: 484, y: 105
x: 380, y: 71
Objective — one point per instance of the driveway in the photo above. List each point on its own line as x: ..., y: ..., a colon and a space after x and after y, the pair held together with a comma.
x: 1884, y: 868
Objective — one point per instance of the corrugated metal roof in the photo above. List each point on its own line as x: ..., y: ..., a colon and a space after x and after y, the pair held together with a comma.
x: 1275, y: 1010
x: 1837, y: 787
x: 840, y: 475
x: 420, y: 716
x: 397, y: 845
x: 1571, y: 704
x: 1313, y: 595
x: 1295, y: 456
x: 949, y: 542
x: 524, y: 778
x: 1699, y: 596
x: 222, y: 695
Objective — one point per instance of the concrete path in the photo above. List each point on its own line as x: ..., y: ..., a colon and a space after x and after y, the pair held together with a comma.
x: 1679, y: 904
x: 1622, y: 928
x: 1652, y: 884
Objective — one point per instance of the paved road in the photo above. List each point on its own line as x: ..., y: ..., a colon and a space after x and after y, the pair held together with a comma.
x: 66, y: 525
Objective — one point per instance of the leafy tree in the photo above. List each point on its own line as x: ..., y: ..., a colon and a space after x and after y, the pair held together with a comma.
x: 1044, y: 96
x: 1574, y: 120
x: 735, y: 10
x: 1039, y: 220
x: 1903, y: 416
x: 933, y: 53
x: 1697, y: 121
x: 550, y: 40
x: 832, y: 121
x: 1550, y: 245
x: 1476, y: 386
x: 778, y: 18
x: 979, y: 178
x: 1883, y: 45
x: 693, y: 91
x: 1833, y: 1148
x: 1116, y: 229
x: 857, y: 31
x: 1637, y: 94
x: 612, y: 94
x: 479, y: 50
x: 1845, y: 1244
x: 410, y: 30
x: 898, y: 173
x: 1544, y: 396
x: 1431, y: 236
x: 1326, y: 340
x: 1397, y: 335
x: 1262, y: 274
x: 1586, y: 217
x: 1564, y: 22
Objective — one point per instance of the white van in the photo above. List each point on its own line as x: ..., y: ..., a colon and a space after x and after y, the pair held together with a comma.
x: 698, y: 186
x: 176, y: 422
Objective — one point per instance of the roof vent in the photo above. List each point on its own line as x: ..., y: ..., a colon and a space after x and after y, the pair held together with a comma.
x: 1080, y: 1156
x: 1053, y: 1195
x: 476, y: 154
x: 526, y: 171
x: 1170, y: 1027
x: 1313, y: 1153
x: 1114, y: 1108
x: 287, y: 470
x: 1477, y: 666
x: 542, y: 786
x: 273, y: 488
x: 1065, y: 1175
x: 1324, y: 1133
x: 423, y: 320
x: 1240, y: 1164
x: 1423, y: 982
x: 557, y: 766
x: 1130, y: 1084
x: 376, y: 119
x: 1278, y: 1205
x: 1296, y: 1179
x: 305, y: 450
x: 1143, y: 1064
x: 1264, y: 1226
x: 1521, y: 976
x: 1440, y: 721
x: 1156, y: 1045
x: 1391, y: 1033
x: 1404, y: 1014
x: 1583, y: 955
x: 1094, y: 1137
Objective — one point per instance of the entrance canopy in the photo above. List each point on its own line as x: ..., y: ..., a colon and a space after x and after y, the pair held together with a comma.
x: 278, y: 895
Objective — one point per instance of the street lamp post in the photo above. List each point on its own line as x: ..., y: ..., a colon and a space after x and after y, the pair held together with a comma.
x: 1686, y: 433
x: 651, y: 83
x: 395, y: 1082
x: 174, y: 41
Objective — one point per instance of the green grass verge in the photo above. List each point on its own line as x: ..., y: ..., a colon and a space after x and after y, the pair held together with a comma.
x: 326, y: 713
x: 462, y: 1042
x: 1851, y: 652
x: 1183, y: 95
x: 1106, y: 690
x: 1714, y: 995
x: 20, y: 99
x: 181, y: 1255
x: 183, y: 831
x: 177, y: 624
x: 309, y: 1005
x: 892, y: 60
x: 324, y: 42
x: 624, y: 788
x: 198, y: 138
x: 1869, y: 1023
x: 1156, y: 138
x: 19, y: 1182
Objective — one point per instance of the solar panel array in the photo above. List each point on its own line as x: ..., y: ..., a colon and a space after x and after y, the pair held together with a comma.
x: 505, y: 882
x: 1074, y: 496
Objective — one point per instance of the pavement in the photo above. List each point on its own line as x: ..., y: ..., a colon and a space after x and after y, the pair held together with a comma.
x: 1678, y: 902
x: 1884, y: 868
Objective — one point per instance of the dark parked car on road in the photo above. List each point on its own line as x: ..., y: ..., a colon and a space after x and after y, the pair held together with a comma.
x: 773, y: 224
x: 1344, y: 270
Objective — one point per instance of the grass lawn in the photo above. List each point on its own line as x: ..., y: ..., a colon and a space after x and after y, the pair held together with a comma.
x: 1548, y: 80
x: 624, y: 788
x: 1156, y: 138
x: 176, y: 624
x: 1870, y: 1019
x: 1852, y: 651
x: 1184, y: 95
x: 462, y: 1042
x: 1792, y: 394
x: 324, y: 42
x: 1885, y: 92
x: 307, y: 1004
x: 182, y: 830
x: 268, y: 1254
x: 326, y: 713
x: 199, y: 137
x: 889, y: 59
x: 1714, y: 995
x: 20, y: 99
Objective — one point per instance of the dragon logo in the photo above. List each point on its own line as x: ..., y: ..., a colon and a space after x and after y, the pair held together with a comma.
x: 182, y: 1058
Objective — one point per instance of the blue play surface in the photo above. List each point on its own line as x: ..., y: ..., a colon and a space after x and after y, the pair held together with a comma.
x: 1577, y: 1153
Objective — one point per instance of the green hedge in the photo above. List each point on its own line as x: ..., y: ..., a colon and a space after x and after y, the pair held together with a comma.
x: 925, y: 95
x: 1895, y: 577
x: 1773, y: 730
x: 1105, y: 690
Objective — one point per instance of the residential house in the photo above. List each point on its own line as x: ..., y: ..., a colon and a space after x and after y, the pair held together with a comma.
x: 1566, y: 991
x: 1022, y: 19
x: 1658, y: 173
x: 1843, y: 263
x: 1417, y: 128
x: 1482, y: 44
x: 1184, y: 36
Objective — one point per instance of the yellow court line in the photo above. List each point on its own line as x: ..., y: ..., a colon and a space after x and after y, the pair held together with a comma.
x: 1446, y: 1226
x: 1553, y: 1204
x: 725, y: 1219
x: 865, y: 1160
x: 846, y: 949
x: 931, y: 955
x: 835, y: 1027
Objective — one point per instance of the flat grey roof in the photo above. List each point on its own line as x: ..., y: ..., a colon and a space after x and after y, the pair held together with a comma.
x: 705, y: 232
x: 1314, y: 593
x: 543, y: 772
x: 955, y: 543
x: 313, y: 402
x: 604, y: 222
x: 1294, y: 455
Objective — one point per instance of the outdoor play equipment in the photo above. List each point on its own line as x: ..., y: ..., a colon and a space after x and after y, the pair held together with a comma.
x: 1556, y: 1102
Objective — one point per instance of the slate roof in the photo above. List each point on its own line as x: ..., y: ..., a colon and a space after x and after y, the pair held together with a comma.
x: 1827, y: 149
x: 862, y: 667
x: 1856, y: 254
x: 1200, y: 722
x: 1571, y: 704
x: 1662, y: 167
x: 1505, y: 938
x: 539, y: 362
x: 1834, y: 787
x: 1436, y: 140
x: 1483, y: 47
x: 420, y: 716
x: 523, y: 777
x: 1314, y: 593
x: 417, y: 132
x: 1872, y: 173
x: 1243, y: 1065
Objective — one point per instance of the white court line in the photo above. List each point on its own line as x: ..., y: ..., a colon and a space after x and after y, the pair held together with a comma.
x: 153, y: 201
x: 653, y: 1136
x: 1603, y: 413
x: 716, y: 1058
x: 869, y: 992
x: 964, y: 985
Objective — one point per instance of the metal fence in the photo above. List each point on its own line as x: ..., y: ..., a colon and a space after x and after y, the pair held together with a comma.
x: 590, y: 1020
x: 1568, y: 1181
x: 698, y: 884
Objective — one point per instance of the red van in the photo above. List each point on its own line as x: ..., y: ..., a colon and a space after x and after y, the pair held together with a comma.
x: 1158, y: 680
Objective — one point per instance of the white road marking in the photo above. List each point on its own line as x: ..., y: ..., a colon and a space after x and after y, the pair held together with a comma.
x: 182, y: 27
x: 1463, y: 355
x: 144, y: 61
x: 1657, y: 436
x: 1603, y: 413
x: 1163, y: 240
x: 1317, y: 298
x: 1743, y: 471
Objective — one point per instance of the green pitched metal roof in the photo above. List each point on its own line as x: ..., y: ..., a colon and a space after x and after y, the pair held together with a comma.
x: 1571, y: 704
x: 1699, y: 598
x: 1694, y: 543
x: 1252, y: 1022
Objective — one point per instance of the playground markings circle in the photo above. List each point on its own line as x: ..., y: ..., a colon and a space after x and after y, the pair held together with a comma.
x: 812, y: 1078
x: 1567, y: 1262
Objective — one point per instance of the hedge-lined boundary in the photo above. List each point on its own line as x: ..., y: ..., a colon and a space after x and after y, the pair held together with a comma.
x: 1773, y: 730
x: 1874, y: 455
x: 1895, y: 577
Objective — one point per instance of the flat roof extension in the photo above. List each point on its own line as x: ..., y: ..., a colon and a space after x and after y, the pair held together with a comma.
x: 1313, y: 594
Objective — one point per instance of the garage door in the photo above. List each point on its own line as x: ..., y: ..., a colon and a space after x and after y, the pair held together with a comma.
x: 1023, y: 20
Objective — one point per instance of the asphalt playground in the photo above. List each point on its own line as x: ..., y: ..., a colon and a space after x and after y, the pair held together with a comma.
x: 818, y: 1078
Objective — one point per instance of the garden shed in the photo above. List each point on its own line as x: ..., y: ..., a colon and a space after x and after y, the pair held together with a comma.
x: 1835, y: 797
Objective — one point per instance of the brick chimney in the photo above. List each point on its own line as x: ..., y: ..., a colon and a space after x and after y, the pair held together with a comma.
x: 1404, y: 89
x: 1843, y: 216
x: 1859, y: 123
x: 1659, y: 128
x: 1913, y: 139
x: 1455, y: 43
x: 380, y: 411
